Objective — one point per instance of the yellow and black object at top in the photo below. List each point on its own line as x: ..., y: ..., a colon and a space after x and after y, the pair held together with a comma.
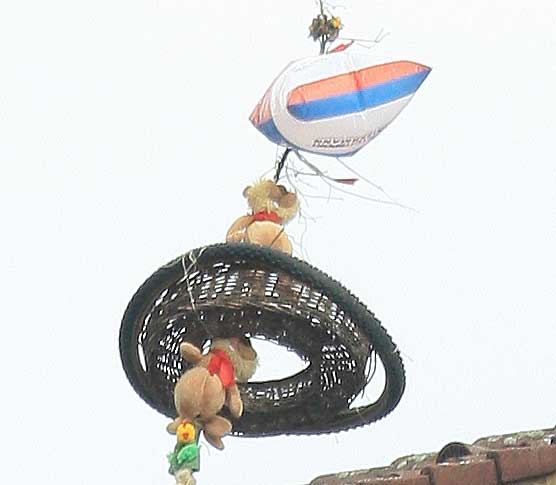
x: 325, y: 29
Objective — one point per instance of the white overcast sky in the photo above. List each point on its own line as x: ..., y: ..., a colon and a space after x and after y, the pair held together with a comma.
x: 125, y: 141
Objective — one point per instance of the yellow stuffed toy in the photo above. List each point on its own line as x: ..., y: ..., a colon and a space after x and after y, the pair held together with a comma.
x: 272, y: 206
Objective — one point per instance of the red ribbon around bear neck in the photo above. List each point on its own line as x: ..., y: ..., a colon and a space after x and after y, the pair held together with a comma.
x: 265, y: 215
x: 221, y: 365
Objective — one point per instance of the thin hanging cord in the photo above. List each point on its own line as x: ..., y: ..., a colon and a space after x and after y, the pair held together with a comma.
x: 332, y: 183
x: 365, y: 179
x: 281, y: 163
x: 323, y: 39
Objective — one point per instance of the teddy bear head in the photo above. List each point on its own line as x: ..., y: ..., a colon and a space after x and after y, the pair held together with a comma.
x: 242, y: 354
x: 266, y: 195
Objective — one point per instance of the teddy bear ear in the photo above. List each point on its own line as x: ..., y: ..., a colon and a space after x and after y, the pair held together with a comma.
x: 275, y: 192
x: 246, y: 191
x: 245, y: 340
x: 288, y: 200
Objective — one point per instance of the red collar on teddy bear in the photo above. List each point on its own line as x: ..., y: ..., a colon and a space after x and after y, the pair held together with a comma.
x: 265, y: 215
x: 221, y: 365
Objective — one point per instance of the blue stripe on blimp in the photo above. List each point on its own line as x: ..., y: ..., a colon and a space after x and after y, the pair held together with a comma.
x: 268, y: 128
x: 357, y: 101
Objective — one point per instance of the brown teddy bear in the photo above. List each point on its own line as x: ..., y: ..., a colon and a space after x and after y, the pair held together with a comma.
x: 272, y: 206
x: 202, y: 391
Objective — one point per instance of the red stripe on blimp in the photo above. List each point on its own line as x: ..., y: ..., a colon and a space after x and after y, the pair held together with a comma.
x: 353, y: 81
x: 262, y: 113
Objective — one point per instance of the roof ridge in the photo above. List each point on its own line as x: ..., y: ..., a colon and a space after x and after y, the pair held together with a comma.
x: 491, y: 460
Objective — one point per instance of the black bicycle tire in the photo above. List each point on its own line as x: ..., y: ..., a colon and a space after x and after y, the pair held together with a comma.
x: 382, y: 342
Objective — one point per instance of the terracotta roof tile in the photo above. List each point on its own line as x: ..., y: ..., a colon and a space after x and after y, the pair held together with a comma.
x: 521, y: 463
x: 414, y: 462
x: 470, y: 470
x: 371, y: 477
x: 383, y: 476
x: 493, y: 460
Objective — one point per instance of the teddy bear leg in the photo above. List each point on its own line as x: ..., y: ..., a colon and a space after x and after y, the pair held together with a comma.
x: 214, y: 429
x: 215, y: 441
x: 213, y: 397
x: 283, y: 243
x: 233, y: 401
x: 188, y: 393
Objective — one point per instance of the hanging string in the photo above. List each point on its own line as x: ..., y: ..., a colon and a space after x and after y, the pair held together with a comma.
x: 325, y: 29
x: 281, y: 163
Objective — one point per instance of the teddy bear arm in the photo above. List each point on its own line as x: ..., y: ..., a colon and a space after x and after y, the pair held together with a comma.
x: 237, y: 229
x: 233, y: 401
x: 190, y: 353
x: 172, y: 428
